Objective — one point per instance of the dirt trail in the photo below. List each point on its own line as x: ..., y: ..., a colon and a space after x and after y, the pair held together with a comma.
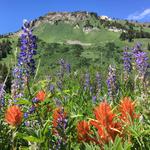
x: 78, y: 42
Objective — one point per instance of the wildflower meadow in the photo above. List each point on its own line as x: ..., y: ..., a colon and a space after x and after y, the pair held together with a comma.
x: 76, y: 109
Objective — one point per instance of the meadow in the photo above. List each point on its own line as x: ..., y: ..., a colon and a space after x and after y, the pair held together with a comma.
x: 101, y: 106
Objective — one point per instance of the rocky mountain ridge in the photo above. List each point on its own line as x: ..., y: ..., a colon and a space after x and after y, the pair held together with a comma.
x: 67, y: 17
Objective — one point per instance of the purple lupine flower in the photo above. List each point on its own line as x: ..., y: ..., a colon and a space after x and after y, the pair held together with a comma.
x: 28, y: 49
x: 62, y: 62
x: 91, y: 90
x: 87, y: 81
x: 127, y: 60
x: 127, y: 57
x: 35, y: 100
x: 27, y: 123
x: 62, y: 123
x: 141, y: 60
x: 52, y: 88
x: 68, y: 68
x: 26, y: 63
x: 59, y: 85
x: 59, y: 143
x: 137, y: 48
x: 58, y: 102
x: 94, y: 98
x: 62, y: 68
x: 32, y: 109
x: 25, y: 115
x: 111, y: 82
x: 2, y: 91
x: 18, y: 83
x: 98, y: 82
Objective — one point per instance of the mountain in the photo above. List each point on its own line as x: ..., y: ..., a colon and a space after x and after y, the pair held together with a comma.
x: 86, y: 27
x: 81, y: 38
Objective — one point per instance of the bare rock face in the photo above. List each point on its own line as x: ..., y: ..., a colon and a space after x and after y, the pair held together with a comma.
x: 66, y: 17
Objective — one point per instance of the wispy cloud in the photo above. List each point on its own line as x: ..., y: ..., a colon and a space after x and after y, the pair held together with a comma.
x: 140, y: 15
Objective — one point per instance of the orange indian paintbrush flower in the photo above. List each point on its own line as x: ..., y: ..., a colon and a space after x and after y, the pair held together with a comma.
x: 41, y: 95
x: 13, y: 115
x: 83, y: 131
x: 104, y: 114
x: 127, y: 110
x: 105, y: 124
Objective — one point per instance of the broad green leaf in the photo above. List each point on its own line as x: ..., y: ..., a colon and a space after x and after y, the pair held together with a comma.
x: 33, y: 139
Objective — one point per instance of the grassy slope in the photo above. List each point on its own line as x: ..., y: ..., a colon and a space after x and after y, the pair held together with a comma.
x: 61, y: 33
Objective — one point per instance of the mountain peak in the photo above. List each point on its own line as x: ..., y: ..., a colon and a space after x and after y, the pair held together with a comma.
x: 66, y: 16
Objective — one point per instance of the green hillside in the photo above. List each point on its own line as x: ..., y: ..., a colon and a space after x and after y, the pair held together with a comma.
x: 81, y: 43
x: 63, y: 32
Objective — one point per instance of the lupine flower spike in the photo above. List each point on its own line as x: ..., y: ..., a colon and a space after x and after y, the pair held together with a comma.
x: 111, y: 82
x: 26, y: 64
x: 127, y: 63
x: 87, y: 82
x: 59, y: 127
x: 141, y: 61
x: 2, y: 100
x: 28, y: 49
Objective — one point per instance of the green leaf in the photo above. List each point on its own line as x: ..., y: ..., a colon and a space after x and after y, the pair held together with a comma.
x: 23, y: 102
x: 33, y: 139
x: 20, y: 135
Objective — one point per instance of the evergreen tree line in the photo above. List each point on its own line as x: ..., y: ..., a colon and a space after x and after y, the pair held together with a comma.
x: 5, y: 48
x: 110, y: 24
x: 131, y: 34
x: 128, y: 31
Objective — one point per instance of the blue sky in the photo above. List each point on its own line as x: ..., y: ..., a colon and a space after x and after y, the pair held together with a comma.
x: 12, y: 12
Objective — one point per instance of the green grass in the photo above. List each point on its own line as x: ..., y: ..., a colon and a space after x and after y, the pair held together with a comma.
x: 63, y: 32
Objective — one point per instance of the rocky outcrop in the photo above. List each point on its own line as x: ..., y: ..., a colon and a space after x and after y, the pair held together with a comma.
x: 54, y: 18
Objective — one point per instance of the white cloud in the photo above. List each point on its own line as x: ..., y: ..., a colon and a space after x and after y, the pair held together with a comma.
x: 138, y: 16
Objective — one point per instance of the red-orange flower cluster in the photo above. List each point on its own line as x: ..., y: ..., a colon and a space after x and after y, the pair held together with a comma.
x: 83, y: 130
x: 127, y: 110
x: 13, y: 115
x: 41, y: 95
x: 106, y: 125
